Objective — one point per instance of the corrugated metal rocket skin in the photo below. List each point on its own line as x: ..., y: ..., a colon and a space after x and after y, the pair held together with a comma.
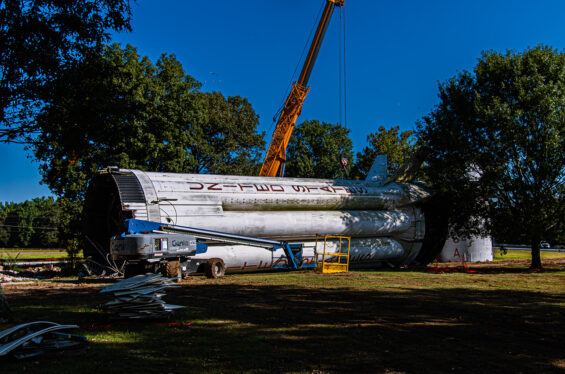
x: 293, y: 209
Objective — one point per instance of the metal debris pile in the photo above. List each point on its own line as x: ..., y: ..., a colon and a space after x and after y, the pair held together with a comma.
x: 140, y: 297
x: 39, y: 338
x: 29, y: 273
x: 11, y: 276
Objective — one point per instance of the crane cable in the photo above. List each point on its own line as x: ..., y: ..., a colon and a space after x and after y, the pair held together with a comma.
x: 342, y: 70
x: 298, y: 64
x: 341, y: 66
x: 342, y: 87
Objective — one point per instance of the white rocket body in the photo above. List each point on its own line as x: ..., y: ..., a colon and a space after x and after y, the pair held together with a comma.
x: 385, y: 222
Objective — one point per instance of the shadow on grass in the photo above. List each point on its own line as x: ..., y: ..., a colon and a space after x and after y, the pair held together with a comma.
x: 489, y: 268
x: 264, y: 328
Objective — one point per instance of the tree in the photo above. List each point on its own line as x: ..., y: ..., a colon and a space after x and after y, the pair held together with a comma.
x: 46, y: 222
x: 120, y: 109
x: 315, y: 149
x: 226, y: 139
x: 396, y: 145
x: 38, y: 223
x: 495, y: 146
x: 39, y: 40
x: 4, y: 229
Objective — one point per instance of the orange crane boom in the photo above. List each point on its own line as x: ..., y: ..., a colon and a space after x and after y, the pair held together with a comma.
x: 273, y: 164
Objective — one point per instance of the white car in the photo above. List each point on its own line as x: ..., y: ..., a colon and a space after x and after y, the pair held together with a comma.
x: 544, y: 245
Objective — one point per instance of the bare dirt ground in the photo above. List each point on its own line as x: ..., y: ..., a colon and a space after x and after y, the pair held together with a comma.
x: 502, y: 318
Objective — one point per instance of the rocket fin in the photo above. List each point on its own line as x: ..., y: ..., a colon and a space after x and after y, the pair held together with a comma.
x: 378, y: 172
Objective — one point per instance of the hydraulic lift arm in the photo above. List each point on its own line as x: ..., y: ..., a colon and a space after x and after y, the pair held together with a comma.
x: 293, y: 252
x: 273, y: 164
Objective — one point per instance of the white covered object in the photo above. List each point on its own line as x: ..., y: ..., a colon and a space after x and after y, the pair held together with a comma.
x: 476, y: 249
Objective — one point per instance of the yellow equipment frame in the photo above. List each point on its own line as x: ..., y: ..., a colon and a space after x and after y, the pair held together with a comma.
x: 333, y: 267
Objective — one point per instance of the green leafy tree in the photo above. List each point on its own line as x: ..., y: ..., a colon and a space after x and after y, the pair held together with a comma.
x: 46, y: 223
x: 495, y: 146
x: 4, y: 229
x: 397, y: 145
x: 25, y: 215
x: 5, y: 313
x: 68, y: 223
x: 36, y: 223
x: 315, y: 149
x: 19, y: 223
x: 39, y: 40
x: 120, y: 109
x: 225, y: 138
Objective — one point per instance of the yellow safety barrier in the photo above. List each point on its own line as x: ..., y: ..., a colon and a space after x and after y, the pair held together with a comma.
x: 333, y: 262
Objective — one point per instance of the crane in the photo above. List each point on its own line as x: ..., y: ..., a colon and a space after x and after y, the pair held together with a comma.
x: 273, y: 164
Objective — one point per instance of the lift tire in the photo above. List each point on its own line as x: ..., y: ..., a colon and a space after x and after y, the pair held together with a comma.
x: 171, y: 269
x: 215, y: 268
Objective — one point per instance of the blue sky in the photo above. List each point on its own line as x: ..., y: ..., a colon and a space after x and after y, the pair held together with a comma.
x: 396, y: 53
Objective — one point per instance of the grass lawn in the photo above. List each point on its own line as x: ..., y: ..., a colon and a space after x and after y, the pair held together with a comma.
x: 12, y: 254
x: 525, y: 255
x: 499, y: 319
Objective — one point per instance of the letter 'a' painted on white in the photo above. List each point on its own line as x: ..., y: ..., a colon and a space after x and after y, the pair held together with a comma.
x: 378, y: 172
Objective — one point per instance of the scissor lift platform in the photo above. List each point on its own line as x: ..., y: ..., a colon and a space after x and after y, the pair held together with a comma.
x: 333, y: 262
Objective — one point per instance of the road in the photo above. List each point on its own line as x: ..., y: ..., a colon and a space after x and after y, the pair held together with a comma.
x: 517, y: 247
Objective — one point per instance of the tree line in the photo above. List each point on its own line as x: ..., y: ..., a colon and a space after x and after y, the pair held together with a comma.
x: 493, y: 148
x: 43, y: 222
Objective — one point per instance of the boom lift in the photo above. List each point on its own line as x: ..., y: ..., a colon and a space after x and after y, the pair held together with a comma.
x: 273, y: 164
x: 152, y: 246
